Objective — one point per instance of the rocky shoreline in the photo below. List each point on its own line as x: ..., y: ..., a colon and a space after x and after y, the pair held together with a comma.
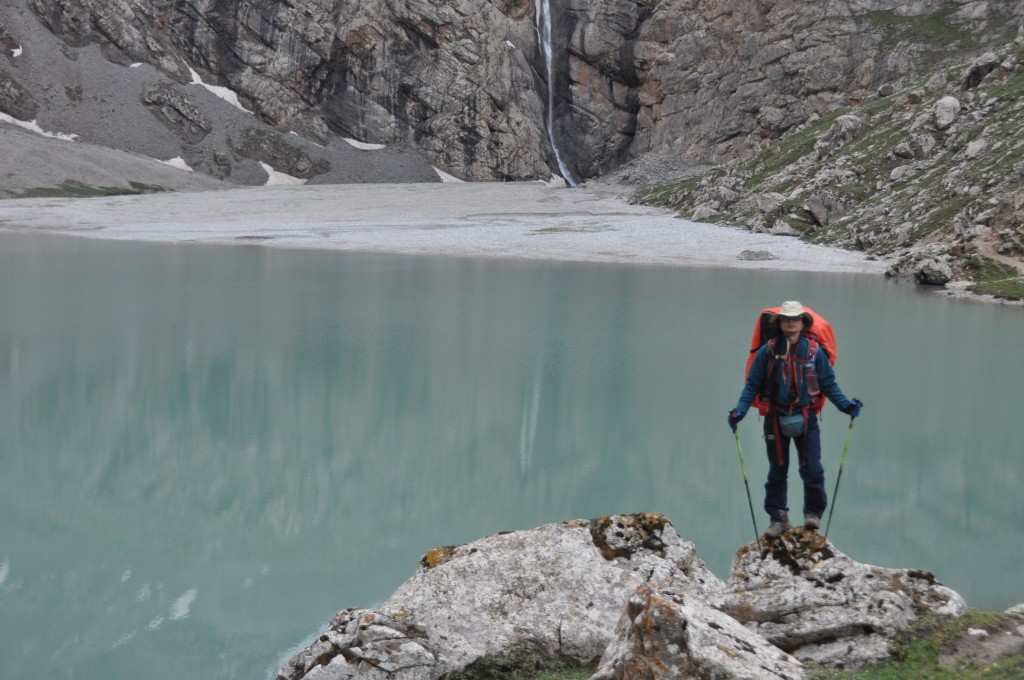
x: 628, y: 593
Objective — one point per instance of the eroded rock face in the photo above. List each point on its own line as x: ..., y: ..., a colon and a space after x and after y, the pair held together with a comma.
x: 559, y: 588
x: 466, y: 82
x: 665, y: 634
x: 807, y: 598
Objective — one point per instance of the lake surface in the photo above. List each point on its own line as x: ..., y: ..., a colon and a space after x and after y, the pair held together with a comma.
x: 208, y: 451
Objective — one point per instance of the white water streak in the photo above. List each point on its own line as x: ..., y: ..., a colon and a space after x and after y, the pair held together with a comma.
x: 544, y: 19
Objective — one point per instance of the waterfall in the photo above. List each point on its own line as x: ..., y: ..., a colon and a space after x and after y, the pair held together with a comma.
x: 544, y: 30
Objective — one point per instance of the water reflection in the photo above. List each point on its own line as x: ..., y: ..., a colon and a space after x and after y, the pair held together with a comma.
x: 209, y: 450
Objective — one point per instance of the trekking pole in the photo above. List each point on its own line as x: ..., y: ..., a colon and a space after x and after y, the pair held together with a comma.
x: 842, y: 464
x: 743, y: 468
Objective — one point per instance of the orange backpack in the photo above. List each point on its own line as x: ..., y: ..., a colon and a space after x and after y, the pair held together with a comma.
x: 820, y: 334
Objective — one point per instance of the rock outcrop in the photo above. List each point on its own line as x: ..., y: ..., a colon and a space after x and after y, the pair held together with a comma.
x: 558, y: 589
x: 806, y: 597
x: 468, y: 84
x: 665, y: 634
x: 629, y: 591
x: 927, y: 176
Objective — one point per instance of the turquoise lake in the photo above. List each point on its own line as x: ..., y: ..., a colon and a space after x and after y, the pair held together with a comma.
x: 209, y: 450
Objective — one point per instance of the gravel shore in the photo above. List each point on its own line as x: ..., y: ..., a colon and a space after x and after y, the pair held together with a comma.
x: 511, y: 220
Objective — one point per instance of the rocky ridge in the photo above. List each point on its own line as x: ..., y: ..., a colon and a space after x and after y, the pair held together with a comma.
x: 926, y: 176
x: 629, y: 591
x: 466, y: 84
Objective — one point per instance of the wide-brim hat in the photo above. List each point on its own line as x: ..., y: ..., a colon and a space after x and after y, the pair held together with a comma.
x: 792, y: 308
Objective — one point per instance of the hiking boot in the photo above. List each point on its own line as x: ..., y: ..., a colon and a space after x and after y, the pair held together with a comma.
x: 778, y: 526
x: 812, y: 522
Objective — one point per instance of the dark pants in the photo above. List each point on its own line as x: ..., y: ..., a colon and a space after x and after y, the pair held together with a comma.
x: 808, y: 447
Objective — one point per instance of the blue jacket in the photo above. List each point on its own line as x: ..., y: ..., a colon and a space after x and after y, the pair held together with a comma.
x: 781, y: 397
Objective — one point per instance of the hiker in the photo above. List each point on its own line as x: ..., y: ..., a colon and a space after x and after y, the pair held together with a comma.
x: 790, y: 380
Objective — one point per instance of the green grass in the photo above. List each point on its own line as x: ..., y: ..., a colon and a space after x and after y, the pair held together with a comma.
x: 663, y: 194
x: 73, y: 189
x: 917, y: 649
x: 995, y: 278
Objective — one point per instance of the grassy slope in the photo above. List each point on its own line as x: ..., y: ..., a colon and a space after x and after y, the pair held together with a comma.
x: 924, y: 214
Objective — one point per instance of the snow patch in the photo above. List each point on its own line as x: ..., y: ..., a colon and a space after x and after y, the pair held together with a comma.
x: 179, y: 163
x: 445, y: 177
x: 227, y: 94
x: 135, y: 65
x: 16, y: 52
x: 32, y: 126
x: 364, y: 145
x: 279, y: 178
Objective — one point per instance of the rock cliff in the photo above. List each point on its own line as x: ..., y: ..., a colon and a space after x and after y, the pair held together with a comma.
x: 926, y: 176
x: 467, y: 84
x: 629, y: 591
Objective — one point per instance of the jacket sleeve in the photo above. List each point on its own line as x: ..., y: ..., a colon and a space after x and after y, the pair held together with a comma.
x: 827, y: 382
x: 755, y: 380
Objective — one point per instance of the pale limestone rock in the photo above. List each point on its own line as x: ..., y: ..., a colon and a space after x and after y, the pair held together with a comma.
x: 757, y: 255
x: 826, y: 208
x: 845, y: 129
x: 559, y: 588
x: 975, y: 148
x: 769, y: 202
x: 933, y: 272
x: 917, y: 147
x: 809, y: 599
x: 947, y: 110
x: 668, y: 634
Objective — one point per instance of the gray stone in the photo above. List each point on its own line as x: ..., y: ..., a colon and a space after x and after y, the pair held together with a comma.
x: 826, y: 208
x: 846, y: 129
x: 1017, y: 609
x: 15, y: 100
x: 757, y: 255
x: 559, y: 589
x: 668, y: 634
x: 807, y: 598
x: 917, y: 147
x: 178, y: 112
x: 933, y: 272
x: 947, y: 110
x: 769, y: 202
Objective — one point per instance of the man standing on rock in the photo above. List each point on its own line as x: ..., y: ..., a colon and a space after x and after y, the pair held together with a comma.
x: 788, y: 371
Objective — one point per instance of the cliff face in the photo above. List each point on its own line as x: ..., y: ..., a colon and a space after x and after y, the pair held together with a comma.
x: 467, y: 83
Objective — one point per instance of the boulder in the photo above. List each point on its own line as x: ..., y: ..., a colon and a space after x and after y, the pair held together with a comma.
x: 933, y: 272
x: 947, y: 110
x: 769, y: 202
x: 807, y: 598
x: 846, y: 128
x: 917, y: 147
x: 757, y: 256
x: 667, y: 634
x: 177, y: 112
x: 558, y: 589
x: 978, y: 69
x: 825, y: 208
